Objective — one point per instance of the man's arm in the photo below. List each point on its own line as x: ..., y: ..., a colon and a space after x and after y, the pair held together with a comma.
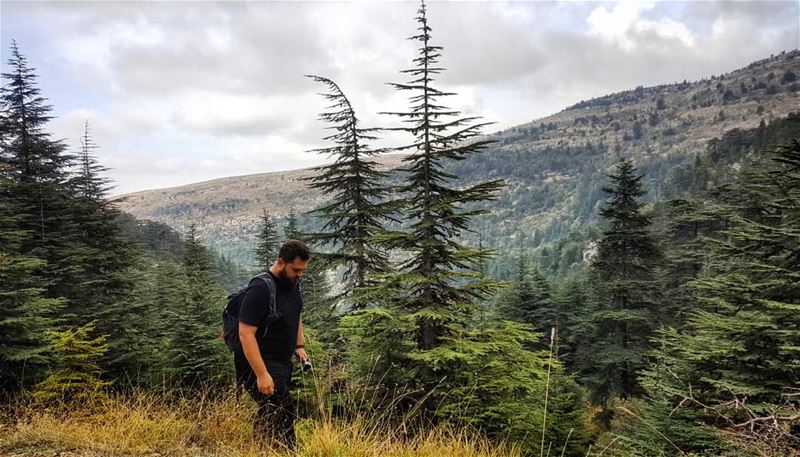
x: 301, y: 352
x: 247, y: 335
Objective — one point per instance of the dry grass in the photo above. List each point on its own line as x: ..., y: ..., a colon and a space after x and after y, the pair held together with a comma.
x: 149, y: 424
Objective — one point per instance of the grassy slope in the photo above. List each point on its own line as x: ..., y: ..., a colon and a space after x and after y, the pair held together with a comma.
x: 148, y: 424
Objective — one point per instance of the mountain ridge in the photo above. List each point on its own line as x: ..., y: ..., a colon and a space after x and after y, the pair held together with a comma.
x: 554, y: 166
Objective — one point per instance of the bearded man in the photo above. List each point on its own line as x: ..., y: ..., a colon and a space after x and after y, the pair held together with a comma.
x: 264, y: 358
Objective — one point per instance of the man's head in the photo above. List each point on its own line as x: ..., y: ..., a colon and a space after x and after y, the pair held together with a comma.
x: 292, y: 262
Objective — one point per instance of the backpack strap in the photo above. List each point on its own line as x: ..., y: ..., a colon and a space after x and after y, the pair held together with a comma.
x: 272, y: 306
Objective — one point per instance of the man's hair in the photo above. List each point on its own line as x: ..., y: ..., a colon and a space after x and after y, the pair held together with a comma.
x: 293, y: 249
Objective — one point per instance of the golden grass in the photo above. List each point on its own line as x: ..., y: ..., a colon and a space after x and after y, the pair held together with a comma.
x: 150, y: 424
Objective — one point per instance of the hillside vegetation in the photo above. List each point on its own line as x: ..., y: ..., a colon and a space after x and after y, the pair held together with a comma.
x: 553, y: 167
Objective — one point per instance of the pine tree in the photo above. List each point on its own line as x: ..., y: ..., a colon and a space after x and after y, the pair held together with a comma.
x: 31, y: 156
x: 529, y: 301
x: 685, y: 223
x: 291, y: 230
x: 170, y: 308
x: 543, y: 313
x: 102, y: 260
x: 198, y: 357
x: 35, y: 222
x: 88, y: 182
x: 738, y: 348
x: 568, y: 421
x: 318, y: 302
x: 486, y: 308
x: 228, y: 274
x: 428, y: 304
x: 625, y: 272
x: 510, y: 302
x: 70, y: 225
x: 77, y: 379
x: 25, y: 315
x: 136, y: 353
x: 319, y: 310
x: 575, y: 307
x: 358, y: 207
x: 268, y: 243
x: 497, y: 383
x: 36, y: 169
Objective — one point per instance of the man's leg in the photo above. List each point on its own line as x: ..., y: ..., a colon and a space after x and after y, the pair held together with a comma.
x: 246, y: 380
x: 243, y: 373
x: 276, y: 413
x: 281, y: 407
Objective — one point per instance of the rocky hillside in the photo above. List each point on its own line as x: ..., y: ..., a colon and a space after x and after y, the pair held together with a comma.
x: 227, y: 211
x: 673, y: 118
x: 554, y: 166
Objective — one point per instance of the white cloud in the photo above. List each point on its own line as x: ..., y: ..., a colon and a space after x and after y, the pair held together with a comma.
x: 668, y: 29
x: 625, y: 26
x: 236, y: 114
x: 167, y: 164
x: 183, y: 91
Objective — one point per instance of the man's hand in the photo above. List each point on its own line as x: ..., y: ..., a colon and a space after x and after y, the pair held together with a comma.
x: 301, y: 354
x: 265, y: 384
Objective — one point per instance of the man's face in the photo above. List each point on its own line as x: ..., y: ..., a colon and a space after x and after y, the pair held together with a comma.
x: 290, y: 273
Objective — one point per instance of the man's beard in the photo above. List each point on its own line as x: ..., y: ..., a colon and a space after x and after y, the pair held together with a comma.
x: 285, y: 279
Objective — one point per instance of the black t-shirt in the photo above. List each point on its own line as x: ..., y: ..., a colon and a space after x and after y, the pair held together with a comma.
x: 281, y: 336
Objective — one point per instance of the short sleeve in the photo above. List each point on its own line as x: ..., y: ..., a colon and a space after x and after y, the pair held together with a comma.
x: 253, y: 310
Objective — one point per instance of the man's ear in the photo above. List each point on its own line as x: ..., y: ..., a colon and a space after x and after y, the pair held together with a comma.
x: 280, y: 262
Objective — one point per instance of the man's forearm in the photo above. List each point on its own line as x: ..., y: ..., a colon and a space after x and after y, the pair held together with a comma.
x: 300, y: 333
x: 252, y: 354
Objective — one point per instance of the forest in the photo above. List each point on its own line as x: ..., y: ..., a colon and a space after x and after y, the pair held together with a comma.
x: 667, y: 327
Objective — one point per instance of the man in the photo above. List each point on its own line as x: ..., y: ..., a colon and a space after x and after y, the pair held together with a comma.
x: 264, y: 358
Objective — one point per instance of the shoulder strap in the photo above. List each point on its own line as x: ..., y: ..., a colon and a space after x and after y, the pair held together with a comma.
x: 269, y: 281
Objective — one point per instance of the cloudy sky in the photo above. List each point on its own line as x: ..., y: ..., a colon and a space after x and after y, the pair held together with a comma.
x: 182, y: 91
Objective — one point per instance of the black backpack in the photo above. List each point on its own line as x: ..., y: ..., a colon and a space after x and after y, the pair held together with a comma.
x: 230, y: 314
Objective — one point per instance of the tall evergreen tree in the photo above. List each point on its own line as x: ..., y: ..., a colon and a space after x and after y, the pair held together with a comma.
x: 36, y: 169
x: 197, y: 356
x: 529, y: 301
x: 318, y: 302
x: 168, y: 303
x: 137, y: 355
x: 486, y: 308
x: 625, y: 269
x: 523, y: 292
x: 684, y: 224
x: 88, y: 182
x: 70, y: 225
x: 358, y: 207
x: 38, y: 192
x: 25, y: 315
x: 430, y: 300
x: 228, y: 274
x: 291, y: 230
x: 31, y: 155
x: 102, y: 260
x: 575, y: 307
x: 543, y: 315
x: 268, y: 243
x: 735, y: 362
